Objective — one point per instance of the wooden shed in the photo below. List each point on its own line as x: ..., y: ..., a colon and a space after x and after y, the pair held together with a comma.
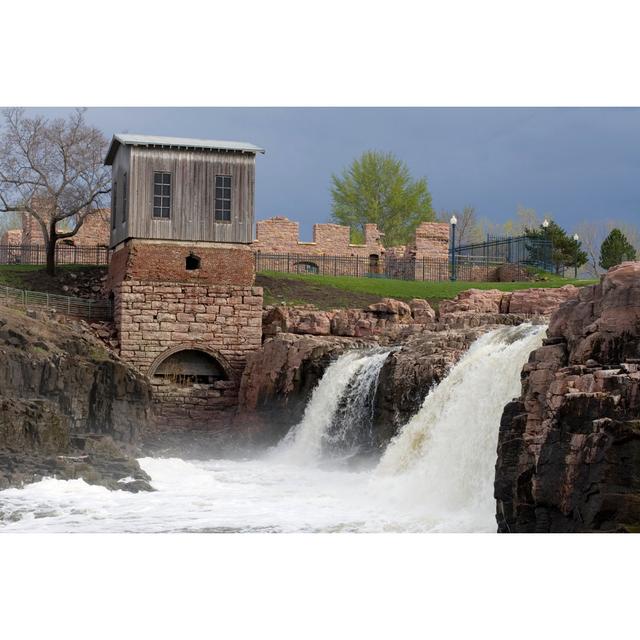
x: 181, y: 189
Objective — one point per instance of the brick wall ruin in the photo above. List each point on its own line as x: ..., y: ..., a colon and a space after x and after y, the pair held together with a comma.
x: 164, y: 311
x: 281, y: 235
x: 11, y: 237
x: 93, y: 232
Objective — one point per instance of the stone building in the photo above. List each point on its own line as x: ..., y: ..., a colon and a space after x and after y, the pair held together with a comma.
x: 182, y: 270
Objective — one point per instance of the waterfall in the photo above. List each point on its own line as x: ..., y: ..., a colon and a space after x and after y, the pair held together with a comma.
x: 444, y: 457
x: 338, y: 418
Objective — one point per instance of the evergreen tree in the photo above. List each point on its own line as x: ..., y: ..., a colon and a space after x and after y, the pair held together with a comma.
x: 378, y: 188
x: 566, y: 251
x: 615, y: 249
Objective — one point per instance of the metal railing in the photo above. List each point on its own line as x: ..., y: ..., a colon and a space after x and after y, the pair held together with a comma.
x: 526, y: 250
x: 469, y: 268
x: 65, y: 254
x: 64, y: 305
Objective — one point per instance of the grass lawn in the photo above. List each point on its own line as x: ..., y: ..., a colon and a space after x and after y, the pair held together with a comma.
x: 34, y: 277
x: 325, y: 292
x: 333, y: 291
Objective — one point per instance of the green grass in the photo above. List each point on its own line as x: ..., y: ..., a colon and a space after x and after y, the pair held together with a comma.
x: 20, y: 276
x: 407, y: 289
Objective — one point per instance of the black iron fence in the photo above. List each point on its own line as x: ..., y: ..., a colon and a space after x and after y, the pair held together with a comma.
x: 468, y: 268
x: 64, y: 305
x: 65, y: 254
x: 525, y: 250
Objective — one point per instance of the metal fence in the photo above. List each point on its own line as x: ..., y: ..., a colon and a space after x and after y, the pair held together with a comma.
x: 468, y: 268
x: 65, y: 305
x: 65, y: 254
x: 525, y: 250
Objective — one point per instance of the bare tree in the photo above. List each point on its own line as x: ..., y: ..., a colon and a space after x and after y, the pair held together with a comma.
x: 52, y: 170
x: 468, y: 229
x: 591, y: 236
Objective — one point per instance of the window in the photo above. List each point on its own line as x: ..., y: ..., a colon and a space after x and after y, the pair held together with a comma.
x: 223, y: 199
x: 162, y: 194
x: 124, y: 198
x: 192, y: 262
x: 114, y: 205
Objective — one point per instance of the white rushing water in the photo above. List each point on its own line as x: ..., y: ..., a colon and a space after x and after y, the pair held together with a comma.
x: 436, y: 475
x: 339, y: 411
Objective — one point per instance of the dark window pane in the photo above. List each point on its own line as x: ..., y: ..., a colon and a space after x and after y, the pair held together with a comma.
x: 166, y: 190
x: 227, y: 181
x: 227, y: 194
x: 157, y: 201
x: 157, y: 189
x: 166, y: 178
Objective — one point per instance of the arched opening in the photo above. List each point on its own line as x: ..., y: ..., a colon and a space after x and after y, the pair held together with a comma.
x: 307, y: 267
x: 192, y: 262
x: 374, y: 263
x: 190, y: 366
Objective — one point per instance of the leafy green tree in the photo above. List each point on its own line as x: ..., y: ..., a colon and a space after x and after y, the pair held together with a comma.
x: 378, y: 188
x: 615, y: 249
x: 566, y: 251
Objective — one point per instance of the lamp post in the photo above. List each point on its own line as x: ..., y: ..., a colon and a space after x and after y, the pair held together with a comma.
x: 576, y: 237
x: 545, y: 226
x: 453, y: 222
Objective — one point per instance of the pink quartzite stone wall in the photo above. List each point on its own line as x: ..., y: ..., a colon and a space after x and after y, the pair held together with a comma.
x: 94, y: 230
x: 281, y: 235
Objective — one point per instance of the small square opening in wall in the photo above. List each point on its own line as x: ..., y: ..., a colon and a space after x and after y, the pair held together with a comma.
x: 192, y: 262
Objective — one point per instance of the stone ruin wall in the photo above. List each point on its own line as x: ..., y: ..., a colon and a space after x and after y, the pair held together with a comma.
x: 160, y: 308
x: 281, y: 236
x: 93, y: 232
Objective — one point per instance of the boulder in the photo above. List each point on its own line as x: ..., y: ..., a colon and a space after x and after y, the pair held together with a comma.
x: 391, y: 307
x: 540, y: 301
x: 421, y: 311
x: 473, y: 301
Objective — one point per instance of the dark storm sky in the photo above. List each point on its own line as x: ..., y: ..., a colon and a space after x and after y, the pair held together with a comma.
x: 575, y: 163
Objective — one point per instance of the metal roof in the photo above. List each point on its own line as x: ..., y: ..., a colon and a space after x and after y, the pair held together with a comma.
x: 138, y: 140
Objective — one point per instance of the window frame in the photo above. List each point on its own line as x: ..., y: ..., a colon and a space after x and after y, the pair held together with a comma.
x: 162, y: 197
x: 222, y: 199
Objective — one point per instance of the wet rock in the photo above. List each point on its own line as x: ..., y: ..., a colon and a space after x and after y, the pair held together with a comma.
x: 410, y: 373
x: 60, y: 387
x: 569, y: 447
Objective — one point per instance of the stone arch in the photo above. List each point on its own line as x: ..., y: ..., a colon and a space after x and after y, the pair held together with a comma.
x: 374, y: 263
x: 307, y: 266
x: 188, y: 364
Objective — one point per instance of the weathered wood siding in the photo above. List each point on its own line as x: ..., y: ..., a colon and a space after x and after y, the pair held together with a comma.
x: 121, y: 166
x: 193, y: 195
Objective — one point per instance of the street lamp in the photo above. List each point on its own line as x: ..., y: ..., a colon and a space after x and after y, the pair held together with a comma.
x: 576, y: 237
x: 545, y: 226
x: 453, y: 222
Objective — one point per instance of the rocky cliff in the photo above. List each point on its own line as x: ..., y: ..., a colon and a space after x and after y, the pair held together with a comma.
x: 569, y: 446
x: 68, y: 408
